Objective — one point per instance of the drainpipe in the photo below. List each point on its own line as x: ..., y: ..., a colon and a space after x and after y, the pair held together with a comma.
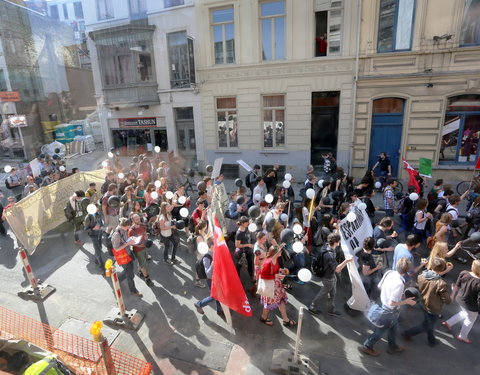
x: 355, y: 79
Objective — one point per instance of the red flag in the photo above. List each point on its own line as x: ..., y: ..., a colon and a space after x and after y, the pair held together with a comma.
x: 226, y: 285
x: 477, y: 166
x: 412, y: 173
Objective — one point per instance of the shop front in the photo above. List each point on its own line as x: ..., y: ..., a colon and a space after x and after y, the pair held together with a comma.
x: 135, y: 136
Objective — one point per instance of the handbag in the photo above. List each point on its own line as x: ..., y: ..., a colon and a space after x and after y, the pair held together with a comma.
x: 379, y: 316
x: 266, y: 288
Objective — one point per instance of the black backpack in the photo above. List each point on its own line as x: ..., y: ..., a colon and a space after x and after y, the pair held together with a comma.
x: 69, y: 211
x: 248, y: 184
x: 200, y: 268
x: 7, y: 184
x: 318, y: 264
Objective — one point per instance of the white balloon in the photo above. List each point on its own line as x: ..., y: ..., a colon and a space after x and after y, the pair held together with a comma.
x: 181, y: 200
x: 362, y: 206
x: 169, y: 195
x: 157, y: 149
x: 288, y: 176
x: 104, y: 164
x: 110, y: 154
x: 7, y: 169
x: 286, y: 184
x: 154, y: 195
x: 257, y: 197
x: 183, y: 212
x: 297, y: 229
x: 351, y: 217
x: 62, y: 168
x: 413, y: 196
x: 297, y: 247
x: 304, y: 275
x: 378, y: 184
x: 269, y: 198
x: 310, y: 193
x: 283, y: 217
x: 157, y: 183
x: 320, y: 183
x: 202, y: 248
x: 92, y: 209
x: 252, y: 227
x: 121, y: 175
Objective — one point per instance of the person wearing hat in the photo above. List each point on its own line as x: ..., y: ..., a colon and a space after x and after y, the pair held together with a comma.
x: 434, y: 294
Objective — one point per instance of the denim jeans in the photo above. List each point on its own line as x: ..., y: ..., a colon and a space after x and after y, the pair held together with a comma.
x: 129, y: 274
x: 204, y: 302
x: 166, y: 242
x: 97, y: 247
x: 328, y: 289
x: 378, y: 333
x: 428, y: 326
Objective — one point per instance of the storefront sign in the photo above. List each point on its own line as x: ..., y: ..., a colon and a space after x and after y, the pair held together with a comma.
x: 9, y: 96
x: 19, y: 121
x: 142, y: 122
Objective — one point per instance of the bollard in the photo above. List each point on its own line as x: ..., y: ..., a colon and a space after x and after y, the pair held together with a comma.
x: 96, y: 332
x: 119, y: 317
x: 36, y: 291
x: 285, y: 362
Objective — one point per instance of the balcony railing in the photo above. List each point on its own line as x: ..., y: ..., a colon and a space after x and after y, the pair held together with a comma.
x: 132, y: 94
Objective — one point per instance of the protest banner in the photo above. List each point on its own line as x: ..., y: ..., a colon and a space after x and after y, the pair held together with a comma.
x: 42, y: 211
x: 425, y: 167
x: 352, y: 235
x: 217, y: 167
x: 245, y: 165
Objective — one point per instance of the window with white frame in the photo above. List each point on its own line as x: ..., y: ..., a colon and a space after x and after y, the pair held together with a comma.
x: 470, y: 32
x: 227, y: 124
x: 223, y: 36
x: 395, y: 25
x: 78, y: 9
x: 138, y: 7
x: 272, y: 25
x: 182, y: 60
x: 105, y: 9
x: 328, y: 27
x: 273, y: 119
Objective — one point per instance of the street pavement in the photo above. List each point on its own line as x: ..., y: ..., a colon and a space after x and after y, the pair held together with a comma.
x: 177, y: 340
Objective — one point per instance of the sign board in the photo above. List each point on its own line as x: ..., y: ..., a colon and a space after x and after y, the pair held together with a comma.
x: 425, y: 167
x: 9, y: 96
x: 142, y: 122
x: 19, y: 121
x: 244, y: 165
x: 352, y: 235
x: 217, y: 166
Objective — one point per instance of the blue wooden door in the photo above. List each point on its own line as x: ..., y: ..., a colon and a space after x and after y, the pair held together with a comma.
x: 386, y: 137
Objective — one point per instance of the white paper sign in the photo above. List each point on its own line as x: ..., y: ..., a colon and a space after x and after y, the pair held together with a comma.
x: 35, y: 167
x: 352, y: 235
x: 245, y: 165
x: 217, y: 166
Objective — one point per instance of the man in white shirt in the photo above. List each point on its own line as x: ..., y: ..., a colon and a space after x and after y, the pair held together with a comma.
x: 392, y: 286
x: 260, y: 190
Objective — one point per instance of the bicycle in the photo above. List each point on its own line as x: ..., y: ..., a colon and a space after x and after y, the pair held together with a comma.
x: 190, y: 187
x: 463, y: 186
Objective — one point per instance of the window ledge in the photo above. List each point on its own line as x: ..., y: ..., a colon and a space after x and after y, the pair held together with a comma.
x: 274, y: 152
x: 459, y: 166
x: 227, y: 151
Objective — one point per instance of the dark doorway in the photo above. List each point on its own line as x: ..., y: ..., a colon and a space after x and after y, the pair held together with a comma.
x: 324, y: 125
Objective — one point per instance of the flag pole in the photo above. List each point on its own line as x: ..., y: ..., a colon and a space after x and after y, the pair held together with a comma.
x: 228, y: 316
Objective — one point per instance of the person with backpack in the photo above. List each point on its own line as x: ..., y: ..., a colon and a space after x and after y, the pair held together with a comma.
x: 327, y: 268
x: 389, y: 197
x: 368, y: 269
x: 204, y: 270
x: 77, y: 214
x: 93, y: 226
x: 421, y: 219
x: 15, y: 183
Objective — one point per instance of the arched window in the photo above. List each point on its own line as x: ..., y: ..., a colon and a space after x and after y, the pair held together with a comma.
x: 461, y: 130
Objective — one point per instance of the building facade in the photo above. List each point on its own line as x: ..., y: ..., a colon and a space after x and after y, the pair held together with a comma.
x: 418, y: 88
x: 276, y: 81
x: 143, y: 59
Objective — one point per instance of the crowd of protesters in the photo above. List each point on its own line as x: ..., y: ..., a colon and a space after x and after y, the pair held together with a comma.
x: 146, y: 201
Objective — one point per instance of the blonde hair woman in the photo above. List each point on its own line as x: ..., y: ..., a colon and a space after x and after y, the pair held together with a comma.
x: 440, y: 250
x: 442, y: 226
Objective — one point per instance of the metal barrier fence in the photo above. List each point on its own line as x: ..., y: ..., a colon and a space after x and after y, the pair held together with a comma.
x: 82, y: 355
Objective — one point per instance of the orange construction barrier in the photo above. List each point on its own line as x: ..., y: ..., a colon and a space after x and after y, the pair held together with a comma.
x: 82, y: 355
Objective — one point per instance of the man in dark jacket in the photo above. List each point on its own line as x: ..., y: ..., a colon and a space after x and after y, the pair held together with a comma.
x: 93, y: 225
x: 435, y: 294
